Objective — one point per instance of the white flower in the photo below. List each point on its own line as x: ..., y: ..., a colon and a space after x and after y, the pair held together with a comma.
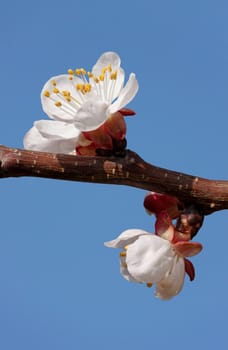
x: 80, y: 101
x: 150, y: 259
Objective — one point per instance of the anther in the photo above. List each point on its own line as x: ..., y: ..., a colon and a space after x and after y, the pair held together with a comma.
x: 70, y: 71
x: 53, y: 82
x: 83, y: 71
x: 79, y: 87
x: 87, y: 87
x: 149, y: 285
x: 104, y: 70
x: 96, y: 79
x: 66, y: 93
x: 58, y: 104
x: 113, y: 75
x: 55, y: 90
x: 122, y: 254
x: 47, y: 93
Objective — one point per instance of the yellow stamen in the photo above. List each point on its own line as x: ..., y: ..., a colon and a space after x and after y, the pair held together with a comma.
x: 113, y: 76
x: 55, y: 90
x: 83, y: 71
x: 109, y: 68
x: 66, y: 93
x: 96, y: 79
x: 70, y: 71
x: 90, y: 75
x: 47, y: 93
x: 122, y: 254
x: 88, y: 87
x: 68, y: 98
x: 53, y: 82
x: 126, y: 247
x: 78, y: 71
x: 104, y: 70
x: 58, y: 104
x: 70, y: 77
x: 101, y: 77
x: 149, y: 285
x: 79, y: 87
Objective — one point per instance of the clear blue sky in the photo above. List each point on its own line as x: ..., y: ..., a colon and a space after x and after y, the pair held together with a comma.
x: 60, y: 288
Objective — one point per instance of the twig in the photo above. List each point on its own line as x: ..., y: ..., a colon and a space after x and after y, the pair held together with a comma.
x: 131, y: 170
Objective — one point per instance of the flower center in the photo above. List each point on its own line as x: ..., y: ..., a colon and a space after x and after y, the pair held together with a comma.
x: 102, y: 86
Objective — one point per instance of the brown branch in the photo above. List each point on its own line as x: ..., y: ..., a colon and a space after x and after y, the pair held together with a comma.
x: 131, y: 170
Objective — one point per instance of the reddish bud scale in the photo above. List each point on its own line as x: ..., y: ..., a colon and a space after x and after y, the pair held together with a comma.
x: 156, y: 203
x: 127, y: 112
x: 190, y: 221
x: 189, y: 269
x: 163, y: 222
x: 115, y: 126
x: 188, y: 249
x: 86, y: 150
x: 99, y: 137
x: 108, y: 139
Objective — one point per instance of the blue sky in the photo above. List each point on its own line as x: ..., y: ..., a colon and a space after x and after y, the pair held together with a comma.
x: 60, y: 287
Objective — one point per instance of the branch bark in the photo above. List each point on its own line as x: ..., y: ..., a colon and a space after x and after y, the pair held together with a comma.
x: 131, y: 170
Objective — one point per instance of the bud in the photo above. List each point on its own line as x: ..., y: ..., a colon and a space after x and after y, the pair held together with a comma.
x: 119, y: 147
x: 189, y: 221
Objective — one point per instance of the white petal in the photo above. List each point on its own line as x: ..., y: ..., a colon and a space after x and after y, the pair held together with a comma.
x: 124, y: 270
x: 91, y: 115
x: 173, y: 283
x: 125, y: 238
x: 109, y: 89
x: 69, y: 110
x: 104, y: 60
x: 54, y: 129
x: 149, y: 258
x: 33, y: 140
x: 126, y: 94
x: 118, y: 84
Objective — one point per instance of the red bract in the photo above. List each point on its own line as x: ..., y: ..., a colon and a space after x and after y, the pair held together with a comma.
x: 115, y: 126
x: 189, y: 269
x: 99, y: 137
x: 89, y: 150
x: 164, y: 227
x: 156, y: 202
x: 106, y: 138
x: 187, y: 249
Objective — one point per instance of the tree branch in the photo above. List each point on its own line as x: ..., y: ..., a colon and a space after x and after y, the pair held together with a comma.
x: 131, y: 170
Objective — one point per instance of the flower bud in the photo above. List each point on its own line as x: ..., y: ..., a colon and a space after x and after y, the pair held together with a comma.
x: 189, y: 221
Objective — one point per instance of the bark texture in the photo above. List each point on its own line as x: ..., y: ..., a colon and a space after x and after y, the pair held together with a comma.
x: 131, y: 170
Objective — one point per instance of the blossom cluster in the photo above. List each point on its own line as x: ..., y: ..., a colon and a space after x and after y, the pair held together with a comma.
x: 160, y: 258
x: 86, y: 111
